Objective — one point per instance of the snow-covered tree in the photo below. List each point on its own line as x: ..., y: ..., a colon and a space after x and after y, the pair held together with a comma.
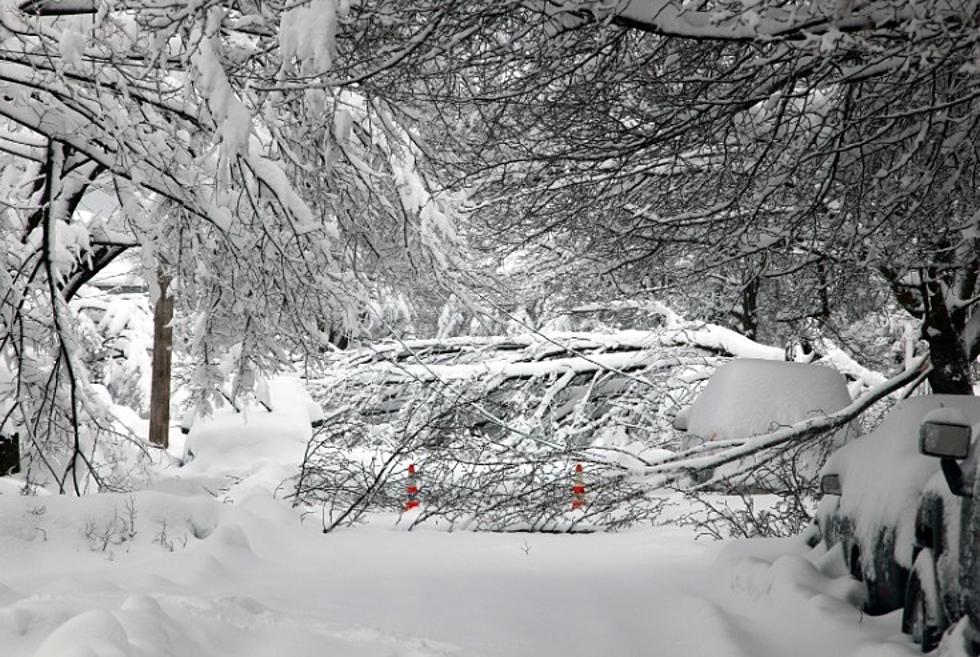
x: 828, y: 148
x: 287, y: 163
x: 280, y: 203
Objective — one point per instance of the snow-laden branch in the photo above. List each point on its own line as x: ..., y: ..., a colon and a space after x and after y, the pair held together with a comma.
x: 716, y: 453
x: 673, y: 18
x: 625, y: 351
x: 28, y: 146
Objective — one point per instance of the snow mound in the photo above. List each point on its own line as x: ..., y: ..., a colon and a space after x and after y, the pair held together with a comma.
x: 795, y: 590
x: 747, y: 397
x: 957, y: 642
x: 95, y: 633
x: 258, y: 446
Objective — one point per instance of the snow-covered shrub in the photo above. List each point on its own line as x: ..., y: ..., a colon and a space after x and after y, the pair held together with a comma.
x: 118, y: 330
x: 741, y: 515
x: 95, y: 447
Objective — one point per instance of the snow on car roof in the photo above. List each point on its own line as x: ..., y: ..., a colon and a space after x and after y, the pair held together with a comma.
x: 883, y: 474
x: 748, y: 396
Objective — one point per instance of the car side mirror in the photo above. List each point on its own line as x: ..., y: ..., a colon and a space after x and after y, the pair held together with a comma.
x: 945, y: 439
x: 830, y: 484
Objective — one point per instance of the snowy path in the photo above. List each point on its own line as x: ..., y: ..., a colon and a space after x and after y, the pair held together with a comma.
x: 511, y: 595
x: 259, y: 585
x: 640, y: 593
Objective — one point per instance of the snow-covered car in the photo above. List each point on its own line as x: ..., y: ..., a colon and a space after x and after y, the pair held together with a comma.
x: 872, y: 490
x: 747, y: 397
x: 943, y: 582
x: 833, y: 527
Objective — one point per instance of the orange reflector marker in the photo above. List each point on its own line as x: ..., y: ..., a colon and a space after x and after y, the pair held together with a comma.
x: 411, y: 489
x: 578, y: 487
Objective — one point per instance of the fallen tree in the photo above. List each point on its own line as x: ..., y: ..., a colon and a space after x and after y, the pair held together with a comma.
x: 496, y: 426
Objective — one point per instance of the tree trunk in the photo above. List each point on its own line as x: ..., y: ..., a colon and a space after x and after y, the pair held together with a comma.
x: 746, y: 313
x: 950, y: 363
x: 750, y: 308
x: 9, y: 454
x: 163, y: 336
x: 950, y: 370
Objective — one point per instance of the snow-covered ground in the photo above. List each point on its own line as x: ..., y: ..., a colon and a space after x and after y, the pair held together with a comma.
x: 187, y: 575
x: 209, y: 562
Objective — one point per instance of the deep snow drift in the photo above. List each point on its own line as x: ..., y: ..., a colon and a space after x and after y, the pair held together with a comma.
x: 194, y: 576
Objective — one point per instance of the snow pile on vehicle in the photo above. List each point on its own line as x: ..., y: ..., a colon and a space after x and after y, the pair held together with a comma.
x: 946, y: 415
x: 278, y: 431
x: 883, y: 473
x: 748, y: 397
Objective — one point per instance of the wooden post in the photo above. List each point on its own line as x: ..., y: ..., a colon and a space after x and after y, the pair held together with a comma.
x: 163, y: 338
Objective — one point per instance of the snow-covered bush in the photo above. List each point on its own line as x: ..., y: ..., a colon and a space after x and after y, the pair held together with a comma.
x: 118, y: 330
x: 741, y: 515
x: 76, y: 407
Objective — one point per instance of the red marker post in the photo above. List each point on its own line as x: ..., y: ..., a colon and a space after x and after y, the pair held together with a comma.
x: 411, y: 489
x: 578, y: 487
